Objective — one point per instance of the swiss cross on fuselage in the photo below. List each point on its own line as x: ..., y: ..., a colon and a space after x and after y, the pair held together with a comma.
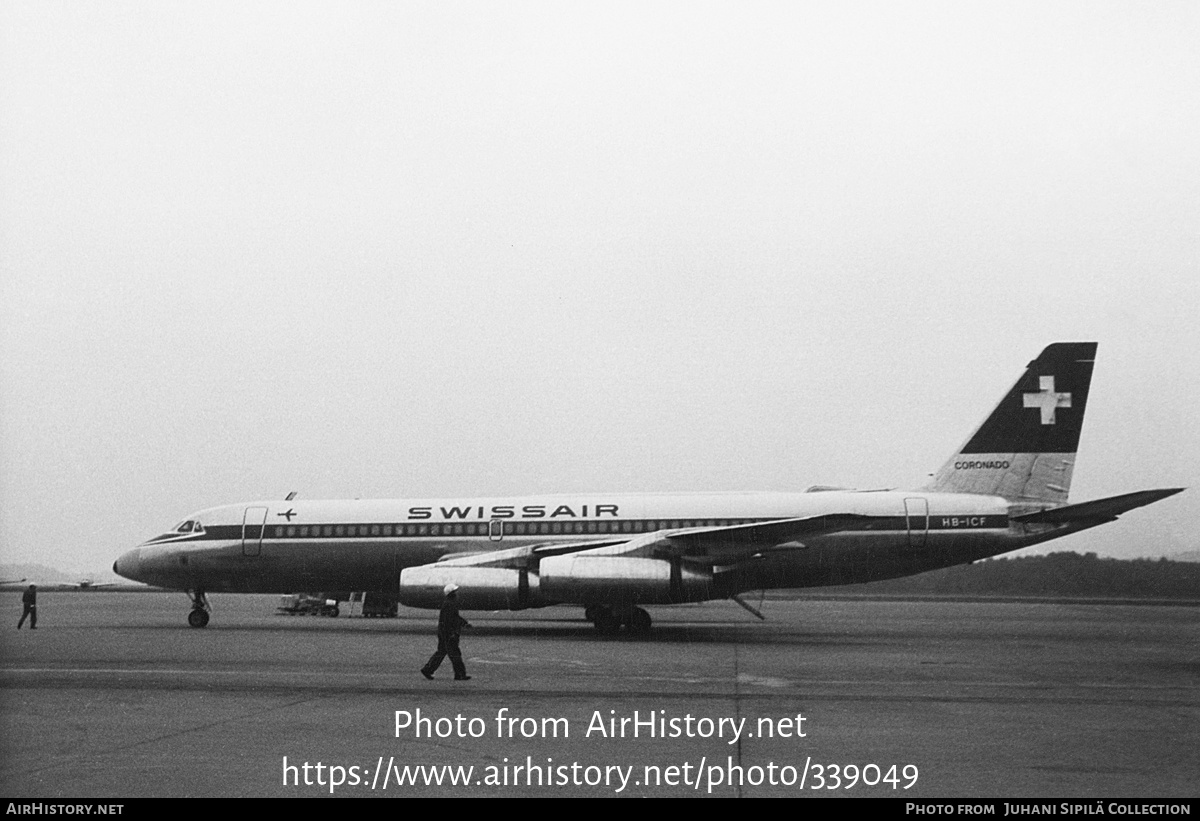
x: 1047, y: 400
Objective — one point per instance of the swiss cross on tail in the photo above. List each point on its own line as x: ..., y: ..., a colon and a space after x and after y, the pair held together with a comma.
x: 1056, y: 386
x: 1047, y: 400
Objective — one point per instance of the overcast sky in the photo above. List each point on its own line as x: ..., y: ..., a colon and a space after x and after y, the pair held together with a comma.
x: 456, y: 249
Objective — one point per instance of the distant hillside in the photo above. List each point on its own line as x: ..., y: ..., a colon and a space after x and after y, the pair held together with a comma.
x: 1057, y: 574
x: 34, y: 572
x: 1188, y: 556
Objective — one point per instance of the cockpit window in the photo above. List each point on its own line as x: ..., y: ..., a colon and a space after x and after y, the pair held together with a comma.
x: 186, y: 527
x: 197, y: 527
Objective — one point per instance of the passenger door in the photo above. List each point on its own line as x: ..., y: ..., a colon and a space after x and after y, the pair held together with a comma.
x: 253, y: 522
x: 916, y: 513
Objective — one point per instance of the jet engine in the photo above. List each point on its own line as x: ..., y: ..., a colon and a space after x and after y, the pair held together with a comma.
x: 479, y: 588
x: 583, y: 579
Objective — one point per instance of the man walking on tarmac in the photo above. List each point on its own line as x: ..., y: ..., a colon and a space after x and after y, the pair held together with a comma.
x: 450, y: 625
x: 29, y: 599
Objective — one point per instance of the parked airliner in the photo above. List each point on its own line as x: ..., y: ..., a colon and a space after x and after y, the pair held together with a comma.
x: 1006, y: 488
x: 52, y: 587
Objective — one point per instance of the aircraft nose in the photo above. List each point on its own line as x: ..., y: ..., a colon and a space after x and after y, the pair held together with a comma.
x: 128, y: 564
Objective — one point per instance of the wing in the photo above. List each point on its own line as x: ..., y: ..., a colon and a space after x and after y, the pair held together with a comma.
x: 717, y: 545
x: 513, y: 579
x: 519, y: 558
x: 722, y: 544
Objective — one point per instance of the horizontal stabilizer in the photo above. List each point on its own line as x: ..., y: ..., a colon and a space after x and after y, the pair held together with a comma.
x: 1106, y: 509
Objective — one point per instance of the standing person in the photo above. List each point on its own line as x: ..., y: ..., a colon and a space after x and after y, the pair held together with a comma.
x: 29, y: 599
x: 450, y: 625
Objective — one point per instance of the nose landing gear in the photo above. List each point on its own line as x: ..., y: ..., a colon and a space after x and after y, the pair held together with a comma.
x: 200, y: 609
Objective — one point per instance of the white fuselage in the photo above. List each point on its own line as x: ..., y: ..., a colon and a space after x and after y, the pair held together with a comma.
x: 281, y: 547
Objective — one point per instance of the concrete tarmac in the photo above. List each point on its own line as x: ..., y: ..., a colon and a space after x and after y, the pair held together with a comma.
x: 115, y: 697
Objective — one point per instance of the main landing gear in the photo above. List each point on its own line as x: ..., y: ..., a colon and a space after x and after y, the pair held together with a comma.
x: 200, y: 609
x: 609, y: 620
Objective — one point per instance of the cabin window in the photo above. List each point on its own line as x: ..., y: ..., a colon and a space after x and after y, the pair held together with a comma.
x: 291, y: 531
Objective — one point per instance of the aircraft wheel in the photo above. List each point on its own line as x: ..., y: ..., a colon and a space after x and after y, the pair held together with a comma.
x: 639, y: 622
x: 198, y: 618
x: 607, y: 623
x: 333, y: 612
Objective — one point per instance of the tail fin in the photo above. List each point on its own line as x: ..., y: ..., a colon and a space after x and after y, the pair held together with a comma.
x: 1025, y: 451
